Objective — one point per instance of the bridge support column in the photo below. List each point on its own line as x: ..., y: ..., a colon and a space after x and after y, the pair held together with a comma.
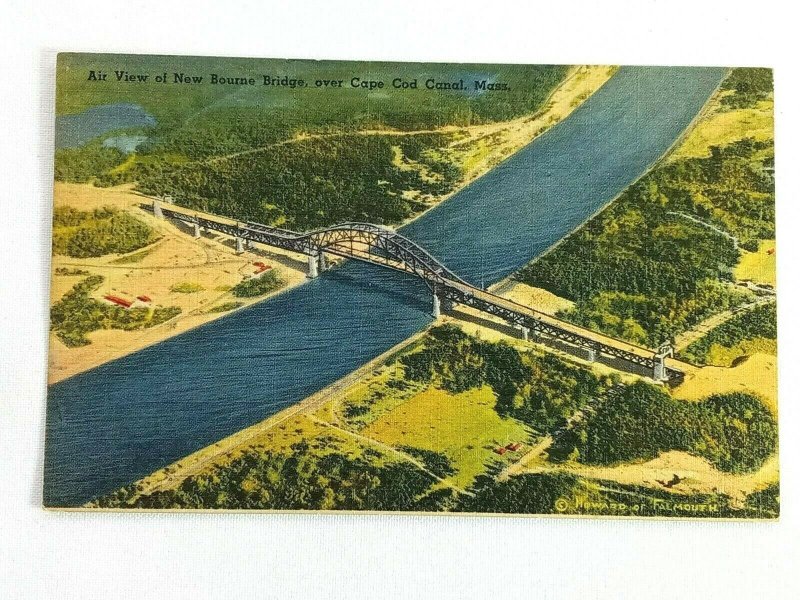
x: 659, y: 370
x: 197, y: 230
x: 312, y: 266
x: 323, y: 263
x: 526, y: 333
x: 239, y: 245
x: 437, y: 307
x: 157, y: 210
x: 591, y: 354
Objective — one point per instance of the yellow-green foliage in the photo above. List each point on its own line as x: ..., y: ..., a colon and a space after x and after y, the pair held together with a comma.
x: 105, y: 230
x: 258, y: 286
x: 758, y: 266
x: 78, y: 314
x: 187, y: 287
x: 464, y: 427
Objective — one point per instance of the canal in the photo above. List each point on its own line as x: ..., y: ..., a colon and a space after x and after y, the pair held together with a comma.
x: 118, y: 422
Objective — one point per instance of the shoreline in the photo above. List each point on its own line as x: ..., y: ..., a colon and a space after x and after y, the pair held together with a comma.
x: 538, y: 123
x: 175, y: 472
x: 664, y: 157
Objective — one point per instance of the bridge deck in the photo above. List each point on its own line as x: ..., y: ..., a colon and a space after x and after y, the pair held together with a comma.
x: 588, y: 334
x: 361, y: 246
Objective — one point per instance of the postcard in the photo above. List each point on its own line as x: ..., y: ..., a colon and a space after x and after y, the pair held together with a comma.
x: 295, y: 285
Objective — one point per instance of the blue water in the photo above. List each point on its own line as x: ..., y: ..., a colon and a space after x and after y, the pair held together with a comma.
x: 77, y: 129
x: 114, y: 424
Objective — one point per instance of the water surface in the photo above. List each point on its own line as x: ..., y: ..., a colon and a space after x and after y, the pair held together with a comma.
x: 123, y: 420
x: 77, y: 129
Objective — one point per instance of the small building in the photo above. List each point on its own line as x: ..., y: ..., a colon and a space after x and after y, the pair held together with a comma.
x: 500, y: 450
x: 145, y: 299
x: 118, y: 301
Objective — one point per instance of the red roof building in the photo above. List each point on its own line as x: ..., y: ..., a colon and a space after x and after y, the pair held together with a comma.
x: 119, y: 301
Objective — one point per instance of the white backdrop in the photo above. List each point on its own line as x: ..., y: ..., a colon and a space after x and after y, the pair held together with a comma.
x: 70, y: 555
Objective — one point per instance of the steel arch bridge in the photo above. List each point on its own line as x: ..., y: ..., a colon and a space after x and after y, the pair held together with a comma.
x: 361, y: 241
x: 385, y: 247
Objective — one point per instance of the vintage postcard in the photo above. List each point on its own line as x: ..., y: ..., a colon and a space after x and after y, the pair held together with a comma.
x: 428, y: 288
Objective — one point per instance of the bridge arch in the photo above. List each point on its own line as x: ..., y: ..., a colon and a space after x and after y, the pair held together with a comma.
x: 381, y: 245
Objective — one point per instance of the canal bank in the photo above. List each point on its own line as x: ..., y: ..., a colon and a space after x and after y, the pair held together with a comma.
x: 112, y: 425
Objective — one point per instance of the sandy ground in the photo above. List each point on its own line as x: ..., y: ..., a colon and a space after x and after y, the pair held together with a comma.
x: 177, y: 257
x: 697, y: 475
x: 758, y: 375
x: 212, y: 263
x: 477, y: 152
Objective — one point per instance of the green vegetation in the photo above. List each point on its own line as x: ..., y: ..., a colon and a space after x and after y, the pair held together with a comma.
x: 750, y: 86
x: 79, y: 165
x: 539, y: 390
x: 237, y: 116
x: 225, y: 307
x: 314, y: 182
x: 271, y: 154
x: 758, y: 323
x: 641, y: 270
x: 186, y: 287
x: 134, y: 258
x: 77, y: 314
x: 299, y: 481
x: 67, y: 271
x: 735, y: 432
x: 84, y: 234
x: 656, y: 261
x: 295, y: 481
x: 258, y: 286
x: 436, y: 462
x: 568, y: 494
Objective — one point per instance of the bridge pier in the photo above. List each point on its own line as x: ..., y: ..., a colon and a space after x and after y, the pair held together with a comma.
x: 312, y: 266
x: 526, y: 333
x: 659, y: 370
x: 591, y: 353
x: 196, y: 230
x: 436, y: 312
x: 239, y: 245
x: 323, y: 263
x: 157, y: 210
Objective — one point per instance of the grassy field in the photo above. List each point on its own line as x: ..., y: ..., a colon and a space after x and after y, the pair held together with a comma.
x: 464, y: 427
x: 759, y: 266
x: 721, y: 127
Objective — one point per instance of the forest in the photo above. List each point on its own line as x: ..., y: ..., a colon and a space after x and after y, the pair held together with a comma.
x: 758, y: 323
x: 660, y: 258
x: 84, y: 234
x: 298, y: 480
x: 735, y: 431
x: 77, y: 314
x: 750, y: 85
x: 258, y: 286
x: 641, y: 270
x: 279, y: 155
x: 541, y: 390
x: 314, y: 182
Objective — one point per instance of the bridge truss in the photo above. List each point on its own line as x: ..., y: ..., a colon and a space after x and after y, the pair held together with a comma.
x: 385, y: 247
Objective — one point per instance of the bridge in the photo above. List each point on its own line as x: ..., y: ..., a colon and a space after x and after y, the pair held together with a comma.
x: 385, y: 247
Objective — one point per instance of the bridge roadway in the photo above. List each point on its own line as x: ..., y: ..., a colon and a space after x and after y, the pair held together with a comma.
x: 387, y: 248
